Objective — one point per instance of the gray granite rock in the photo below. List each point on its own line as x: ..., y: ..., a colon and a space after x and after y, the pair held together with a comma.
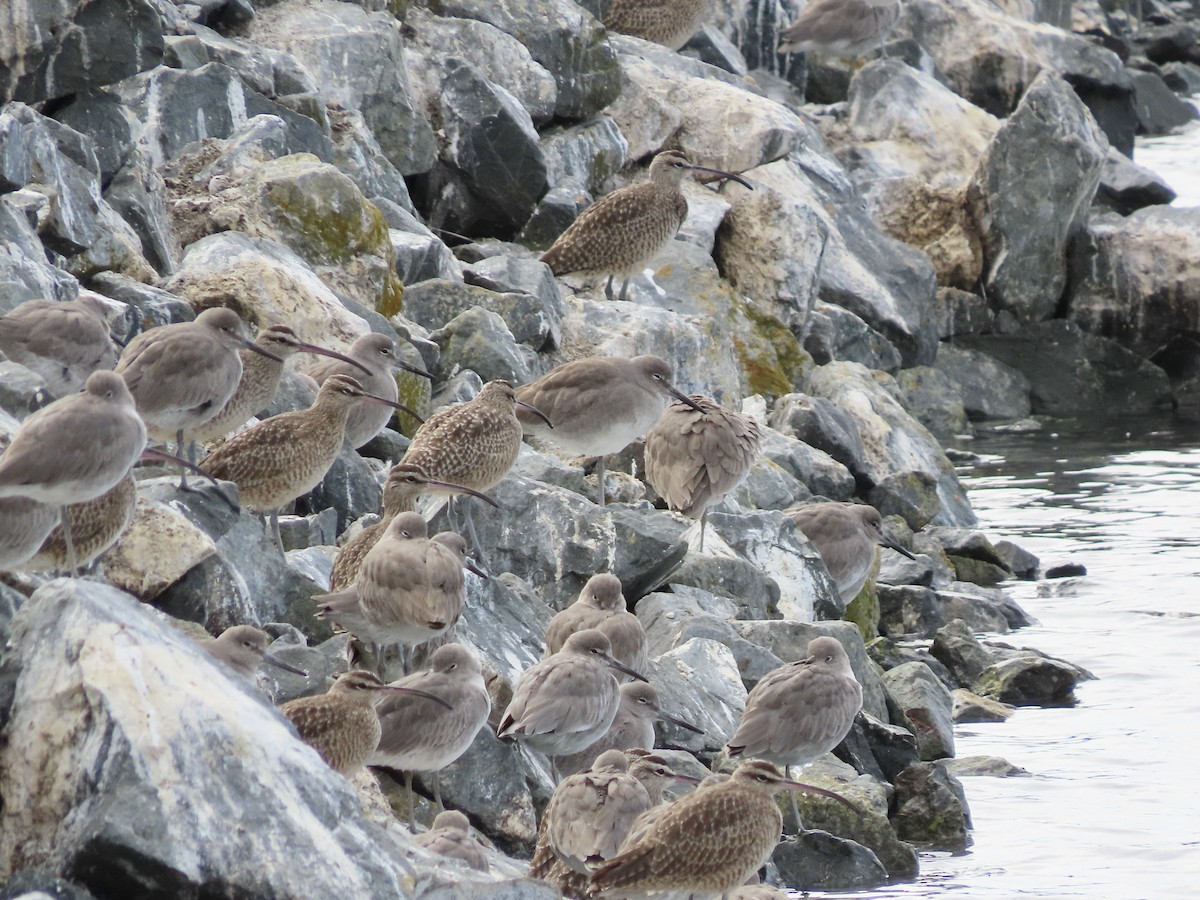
x: 989, y: 389
x: 931, y: 808
x: 976, y: 766
x: 935, y: 402
x: 479, y: 340
x: 970, y: 708
x: 1126, y: 187
x: 816, y: 860
x: 836, y: 333
x: 961, y: 312
x: 1029, y: 681
x: 957, y: 648
x: 700, y: 683
x: 926, y: 704
x: 822, y: 424
x: 1158, y: 109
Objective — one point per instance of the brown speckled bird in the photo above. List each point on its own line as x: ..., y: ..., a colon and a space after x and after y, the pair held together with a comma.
x: 666, y: 22
x: 341, y: 724
x: 620, y: 233
x: 451, y: 836
x: 96, y: 525
x: 62, y: 341
x: 846, y: 28
x: 693, y: 459
x: 601, y: 605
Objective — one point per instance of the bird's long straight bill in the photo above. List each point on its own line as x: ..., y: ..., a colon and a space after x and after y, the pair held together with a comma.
x: 681, y: 723
x: 801, y: 788
x: 416, y: 370
x: 332, y: 354
x: 394, y: 405
x: 250, y: 345
x: 684, y: 398
x: 280, y: 664
x: 738, y: 178
x: 903, y: 551
x: 617, y: 664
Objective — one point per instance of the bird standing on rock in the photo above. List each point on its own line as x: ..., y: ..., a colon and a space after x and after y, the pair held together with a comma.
x: 601, y: 605
x: 845, y: 28
x: 620, y: 233
x: 666, y: 22
x: 62, y: 341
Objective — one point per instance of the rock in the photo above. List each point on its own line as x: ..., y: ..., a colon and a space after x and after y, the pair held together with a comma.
x: 897, y: 569
x: 1158, y: 109
x: 55, y: 50
x: 1072, y: 372
x: 1017, y: 560
x: 961, y: 312
x: 146, y: 307
x: 725, y: 574
x: 350, y: 487
x: 888, y: 655
x: 420, y: 257
x: 21, y: 391
x: 40, y: 884
x: 816, y: 860
x: 956, y: 647
x: 931, y: 810
x: 699, y: 683
x: 927, y: 706
x: 823, y: 425
x: 1126, y: 187
x: 903, y: 466
x: 357, y: 57
x: 101, y: 651
x: 935, y: 402
x: 585, y: 155
x: 1066, y: 570
x: 531, y: 320
x: 480, y: 341
x: 159, y: 548
x: 816, y: 469
x: 1182, y: 77
x: 989, y: 389
x: 24, y: 272
x: 1032, y: 192
x: 1029, y: 681
x: 970, y: 708
x: 913, y: 611
x: 893, y: 746
x: 836, y: 333
x: 358, y: 155
x: 994, y: 766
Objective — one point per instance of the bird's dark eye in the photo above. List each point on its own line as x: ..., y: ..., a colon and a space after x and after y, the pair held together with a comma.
x: 829, y: 659
x: 108, y: 394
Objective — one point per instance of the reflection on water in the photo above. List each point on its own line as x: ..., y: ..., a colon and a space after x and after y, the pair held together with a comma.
x: 1111, y: 808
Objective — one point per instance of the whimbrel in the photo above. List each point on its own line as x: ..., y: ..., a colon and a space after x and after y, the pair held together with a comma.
x: 421, y: 737
x: 62, y: 341
x: 182, y: 375
x: 261, y: 374
x: 801, y: 710
x: 472, y: 444
x: 712, y: 840
x: 620, y: 233
x: 404, y: 484
x: 75, y: 448
x: 693, y: 459
x: 599, y: 405
x: 96, y: 525
x: 666, y: 22
x: 451, y: 836
x: 632, y: 727
x: 845, y: 534
x: 244, y: 648
x: 377, y: 354
x: 601, y: 605
x: 845, y: 28
x: 285, y: 456
x: 566, y: 702
x: 341, y: 724
x: 409, y: 589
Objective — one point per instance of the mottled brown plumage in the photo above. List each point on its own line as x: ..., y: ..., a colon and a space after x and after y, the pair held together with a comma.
x: 451, y: 836
x: 96, y: 525
x: 601, y: 605
x: 62, y: 341
x: 620, y: 233
x: 846, y: 28
x: 693, y: 459
x: 666, y: 22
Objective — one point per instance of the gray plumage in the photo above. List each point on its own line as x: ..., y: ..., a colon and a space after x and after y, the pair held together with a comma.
x: 96, y: 525
x: 601, y: 605
x: 24, y: 525
x: 62, y: 341
x: 243, y: 648
x: 451, y: 836
x: 846, y: 28
x: 666, y: 22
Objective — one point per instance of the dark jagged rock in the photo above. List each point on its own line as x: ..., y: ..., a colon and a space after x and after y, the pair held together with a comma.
x: 927, y: 707
x: 1029, y: 681
x: 931, y: 809
x: 989, y: 389
x: 1159, y: 110
x: 1126, y: 187
x: 818, y: 861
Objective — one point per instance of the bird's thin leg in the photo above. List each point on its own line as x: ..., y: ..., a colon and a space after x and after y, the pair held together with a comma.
x: 437, y: 790
x: 412, y: 802
x: 600, y: 481
x: 624, y: 289
x: 275, y: 532
x: 470, y: 523
x: 882, y: 49
x: 703, y: 525
x: 608, y: 291
x: 66, y: 527
x: 190, y: 455
x: 795, y: 805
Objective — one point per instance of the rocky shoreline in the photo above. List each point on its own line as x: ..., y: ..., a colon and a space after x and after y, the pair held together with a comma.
x: 950, y: 238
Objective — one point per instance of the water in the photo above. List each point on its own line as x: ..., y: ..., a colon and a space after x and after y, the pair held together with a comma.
x: 1174, y: 158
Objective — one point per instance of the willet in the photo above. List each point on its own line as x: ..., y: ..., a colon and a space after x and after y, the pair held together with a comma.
x: 693, y: 459
x: 712, y: 840
x: 285, y: 456
x: 566, y: 702
x: 632, y: 727
x: 669, y: 23
x: 261, y: 373
x: 472, y: 444
x: 620, y: 233
x: 599, y: 405
x: 243, y: 648
x: 62, y: 341
x: 377, y: 354
x: 801, y: 710
x: 409, y: 589
x: 601, y: 605
x: 75, y: 448
x: 404, y: 484
x: 24, y: 525
x: 846, y: 28
x: 421, y: 737
x: 845, y: 534
x: 451, y: 836
x: 341, y: 724
x: 182, y: 375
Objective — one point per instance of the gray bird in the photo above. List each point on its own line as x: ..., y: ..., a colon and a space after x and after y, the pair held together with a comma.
x: 24, y: 525
x: 62, y: 341
x: 620, y: 233
x: 599, y: 405
x: 451, y: 836
x: 801, y: 710
x: 566, y: 702
x: 601, y: 605
x: 845, y: 534
x: 846, y: 28
x: 243, y: 648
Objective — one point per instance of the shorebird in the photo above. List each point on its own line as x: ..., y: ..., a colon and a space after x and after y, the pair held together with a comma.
x: 182, y: 375
x: 243, y: 648
x: 601, y: 605
x: 261, y: 373
x: 285, y: 456
x: 75, y: 449
x: 666, y: 22
x: 694, y: 458
x: 404, y: 484
x: 451, y: 836
x: 599, y: 405
x: 62, y: 341
x: 409, y: 589
x: 421, y: 737
x: 712, y: 840
x: 96, y: 525
x: 620, y: 233
x: 473, y: 444
x: 341, y: 724
x: 845, y: 534
x: 376, y: 353
x: 801, y: 710
x: 845, y: 28
x: 632, y: 727
x: 566, y: 702
x: 24, y: 525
